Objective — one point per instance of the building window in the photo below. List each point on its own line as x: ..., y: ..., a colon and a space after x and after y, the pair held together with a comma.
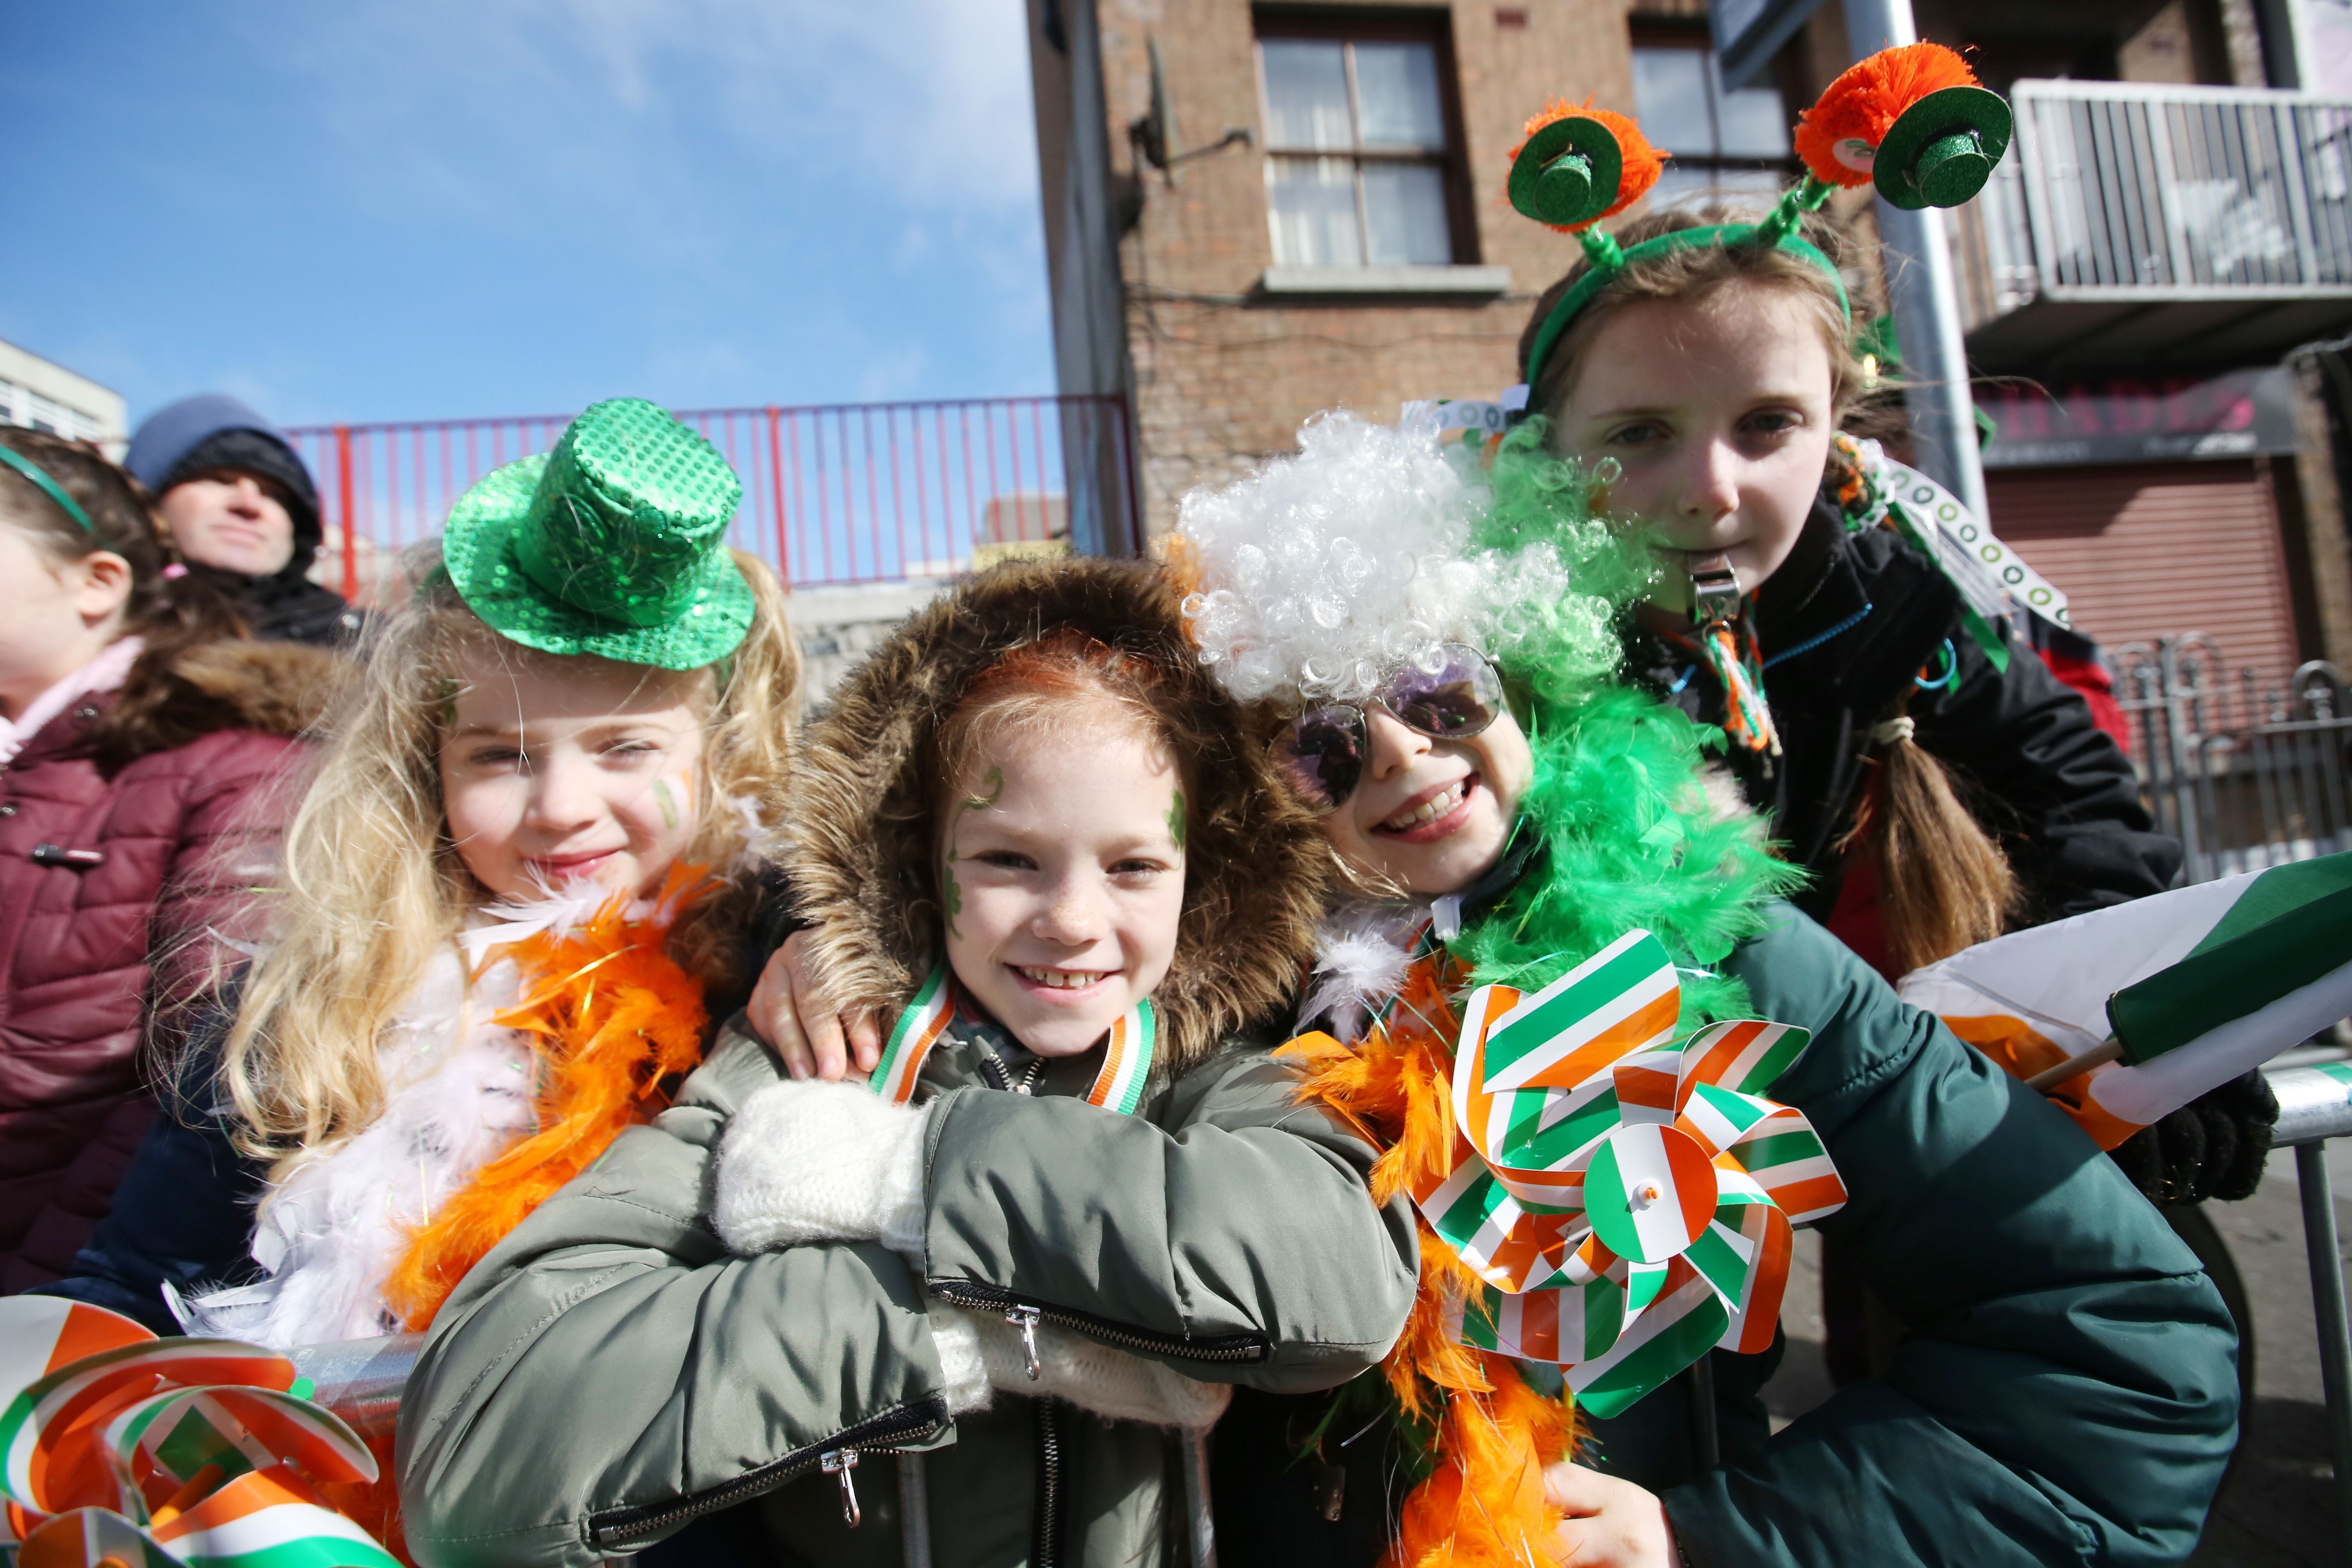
x: 1722, y: 141
x: 1362, y: 167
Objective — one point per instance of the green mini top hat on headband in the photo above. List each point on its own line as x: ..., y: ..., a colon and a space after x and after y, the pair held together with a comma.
x: 1911, y: 121
x: 614, y: 544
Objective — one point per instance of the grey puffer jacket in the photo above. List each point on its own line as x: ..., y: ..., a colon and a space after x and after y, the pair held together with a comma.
x: 708, y: 1317
x: 612, y: 1373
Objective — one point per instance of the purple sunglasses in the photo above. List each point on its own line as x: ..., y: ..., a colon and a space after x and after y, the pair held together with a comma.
x: 1325, y: 751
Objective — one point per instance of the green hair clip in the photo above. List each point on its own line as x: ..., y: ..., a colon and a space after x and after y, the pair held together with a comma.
x: 49, y: 486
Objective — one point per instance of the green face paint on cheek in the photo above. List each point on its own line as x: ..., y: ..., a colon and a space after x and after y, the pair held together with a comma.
x: 668, y: 804
x: 950, y: 892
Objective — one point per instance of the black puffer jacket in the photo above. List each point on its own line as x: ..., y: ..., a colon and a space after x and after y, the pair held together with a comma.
x: 1846, y: 627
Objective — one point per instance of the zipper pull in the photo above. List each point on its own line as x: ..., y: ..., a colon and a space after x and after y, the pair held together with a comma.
x: 1025, y: 1320
x: 841, y: 1462
x: 58, y: 855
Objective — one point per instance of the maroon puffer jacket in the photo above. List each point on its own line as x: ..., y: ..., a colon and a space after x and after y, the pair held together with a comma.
x: 110, y: 886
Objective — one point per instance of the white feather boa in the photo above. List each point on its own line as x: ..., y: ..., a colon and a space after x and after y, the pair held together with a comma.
x: 457, y: 1090
x: 458, y: 1093
x: 1361, y: 952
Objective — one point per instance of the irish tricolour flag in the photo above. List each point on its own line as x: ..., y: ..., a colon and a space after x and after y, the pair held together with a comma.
x: 2187, y: 989
x: 268, y: 1519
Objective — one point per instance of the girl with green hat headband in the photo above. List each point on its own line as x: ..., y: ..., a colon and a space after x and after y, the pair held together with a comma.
x: 517, y: 884
x: 1866, y: 645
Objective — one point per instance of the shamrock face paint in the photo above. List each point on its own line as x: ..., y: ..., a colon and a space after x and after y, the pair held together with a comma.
x: 991, y: 785
x: 1064, y: 882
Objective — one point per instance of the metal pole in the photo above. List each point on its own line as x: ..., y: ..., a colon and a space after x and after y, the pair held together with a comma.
x: 2327, y: 1306
x: 1926, y: 304
x: 913, y: 1512
x: 1197, y: 1511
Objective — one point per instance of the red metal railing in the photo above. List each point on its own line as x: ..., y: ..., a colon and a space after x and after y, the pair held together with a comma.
x: 840, y: 494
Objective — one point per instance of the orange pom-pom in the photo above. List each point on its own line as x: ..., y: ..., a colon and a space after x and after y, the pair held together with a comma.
x: 1641, y: 166
x: 1838, y: 137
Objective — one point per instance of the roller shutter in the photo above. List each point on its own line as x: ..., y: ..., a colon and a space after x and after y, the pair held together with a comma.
x: 2150, y: 551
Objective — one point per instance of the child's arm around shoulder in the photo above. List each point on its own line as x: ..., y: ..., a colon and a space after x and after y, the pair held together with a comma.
x: 1224, y: 1228
x: 612, y: 1364
x: 2066, y: 1392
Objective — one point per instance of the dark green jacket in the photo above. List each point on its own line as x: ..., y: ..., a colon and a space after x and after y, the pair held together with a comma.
x: 2067, y: 1391
x: 611, y: 1374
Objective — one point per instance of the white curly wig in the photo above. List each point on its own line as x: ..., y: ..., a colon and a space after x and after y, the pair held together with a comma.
x: 1324, y: 572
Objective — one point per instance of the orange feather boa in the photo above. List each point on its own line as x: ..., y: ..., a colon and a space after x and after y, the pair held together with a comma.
x: 611, y: 1016
x: 1482, y: 1505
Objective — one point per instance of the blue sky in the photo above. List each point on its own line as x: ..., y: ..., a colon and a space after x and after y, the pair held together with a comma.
x: 433, y: 208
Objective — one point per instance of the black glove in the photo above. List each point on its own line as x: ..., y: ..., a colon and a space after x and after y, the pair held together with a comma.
x: 2212, y: 1147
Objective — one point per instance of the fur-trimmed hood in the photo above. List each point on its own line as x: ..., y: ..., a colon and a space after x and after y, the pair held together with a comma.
x: 171, y: 698
x: 861, y: 841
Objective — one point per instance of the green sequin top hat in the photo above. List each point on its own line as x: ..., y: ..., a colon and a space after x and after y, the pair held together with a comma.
x: 1912, y: 121
x: 614, y: 544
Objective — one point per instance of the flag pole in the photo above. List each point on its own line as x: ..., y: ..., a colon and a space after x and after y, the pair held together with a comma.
x: 2048, y: 1079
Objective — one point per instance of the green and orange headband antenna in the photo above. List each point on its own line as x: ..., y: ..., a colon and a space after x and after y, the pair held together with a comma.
x: 1912, y: 121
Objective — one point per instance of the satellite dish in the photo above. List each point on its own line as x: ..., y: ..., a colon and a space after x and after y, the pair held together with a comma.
x: 1155, y: 135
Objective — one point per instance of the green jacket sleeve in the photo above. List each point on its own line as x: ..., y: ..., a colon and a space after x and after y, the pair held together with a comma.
x: 610, y: 1371
x: 2066, y: 1392
x: 1229, y: 1232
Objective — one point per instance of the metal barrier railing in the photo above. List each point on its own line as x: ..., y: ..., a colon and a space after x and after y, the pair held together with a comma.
x: 2126, y: 191
x: 846, y: 493
x: 2314, y: 1108
x: 2246, y: 774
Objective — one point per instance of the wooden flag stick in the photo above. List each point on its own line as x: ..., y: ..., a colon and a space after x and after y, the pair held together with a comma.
x: 2099, y: 1055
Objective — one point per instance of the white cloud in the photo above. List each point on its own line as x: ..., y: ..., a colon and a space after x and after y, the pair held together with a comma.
x: 925, y: 100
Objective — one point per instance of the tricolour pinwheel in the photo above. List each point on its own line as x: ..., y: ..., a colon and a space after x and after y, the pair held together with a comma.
x: 1626, y: 1197
x: 117, y: 1444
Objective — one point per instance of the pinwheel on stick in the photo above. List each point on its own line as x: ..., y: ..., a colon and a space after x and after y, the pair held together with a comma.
x: 1626, y: 1197
x: 118, y: 1446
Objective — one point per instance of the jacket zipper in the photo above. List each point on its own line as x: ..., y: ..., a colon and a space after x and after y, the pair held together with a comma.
x: 1225, y: 1349
x: 1046, y: 1523
x: 910, y: 1424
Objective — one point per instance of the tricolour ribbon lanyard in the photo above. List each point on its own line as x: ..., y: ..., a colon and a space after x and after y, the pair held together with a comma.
x: 1118, y: 1086
x: 1718, y: 610
x: 1626, y: 1197
x: 1747, y: 717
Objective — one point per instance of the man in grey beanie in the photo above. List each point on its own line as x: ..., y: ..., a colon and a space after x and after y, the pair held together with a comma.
x: 241, y: 509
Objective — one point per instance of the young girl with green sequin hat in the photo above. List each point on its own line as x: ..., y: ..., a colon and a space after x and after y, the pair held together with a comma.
x: 516, y: 880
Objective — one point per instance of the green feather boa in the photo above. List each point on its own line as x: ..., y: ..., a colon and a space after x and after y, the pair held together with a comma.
x: 1631, y: 837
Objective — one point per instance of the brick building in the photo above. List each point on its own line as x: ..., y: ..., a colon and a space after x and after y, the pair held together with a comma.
x: 1253, y: 211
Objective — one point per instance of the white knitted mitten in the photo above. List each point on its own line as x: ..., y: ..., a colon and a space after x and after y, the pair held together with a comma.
x: 1094, y: 1376
x: 811, y: 1161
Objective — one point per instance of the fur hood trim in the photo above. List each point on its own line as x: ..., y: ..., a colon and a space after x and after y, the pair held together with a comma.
x: 861, y: 837
x: 173, y: 698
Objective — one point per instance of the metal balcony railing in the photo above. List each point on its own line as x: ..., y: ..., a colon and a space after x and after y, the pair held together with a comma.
x: 2127, y: 193
x: 844, y: 494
